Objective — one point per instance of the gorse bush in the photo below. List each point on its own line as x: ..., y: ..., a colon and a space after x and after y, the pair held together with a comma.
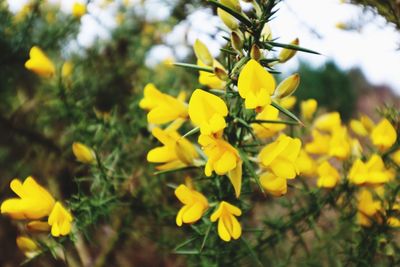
x: 230, y: 174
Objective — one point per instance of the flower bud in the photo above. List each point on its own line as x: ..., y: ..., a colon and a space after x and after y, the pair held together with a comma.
x: 228, y: 19
x: 38, y: 226
x: 27, y: 246
x: 83, y: 153
x: 255, y: 52
x: 288, y: 86
x: 202, y: 53
x: 287, y: 53
x: 221, y: 73
x: 237, y: 42
x: 266, y: 33
x: 233, y: 4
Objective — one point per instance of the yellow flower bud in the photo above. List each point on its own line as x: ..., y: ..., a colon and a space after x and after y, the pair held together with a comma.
x: 288, y: 86
x: 27, y: 246
x: 255, y: 52
x: 237, y: 42
x: 384, y: 135
x: 228, y: 19
x: 83, y: 153
x: 233, y: 4
x: 287, y: 53
x: 66, y: 69
x: 38, y: 226
x: 202, y: 53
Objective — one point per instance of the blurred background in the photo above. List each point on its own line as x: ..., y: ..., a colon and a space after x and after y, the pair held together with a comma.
x: 116, y: 48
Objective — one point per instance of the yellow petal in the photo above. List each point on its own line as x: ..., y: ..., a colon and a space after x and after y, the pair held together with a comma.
x: 277, y: 186
x: 193, y: 213
x: 383, y: 135
x: 223, y: 231
x: 202, y: 53
x: 226, y: 163
x: 235, y: 176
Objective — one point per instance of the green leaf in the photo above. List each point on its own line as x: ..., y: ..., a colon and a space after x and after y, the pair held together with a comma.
x: 176, y: 170
x: 191, y: 132
x: 286, y: 112
x: 275, y: 121
x: 290, y: 46
x: 194, y: 67
x: 241, y: 17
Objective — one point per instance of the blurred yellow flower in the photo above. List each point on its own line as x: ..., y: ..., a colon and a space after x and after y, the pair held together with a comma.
x: 319, y: 144
x: 27, y: 246
x: 208, y: 79
x: 383, y: 135
x: 208, y: 112
x: 328, y: 122
x: 78, y: 10
x: 60, y: 220
x: 306, y: 165
x: 34, y: 202
x: 228, y: 225
x: 38, y: 226
x: 392, y: 220
x: 308, y: 108
x: 39, y: 63
x: 223, y: 158
x: 368, y: 208
x: 280, y: 156
x: 371, y: 172
x: 66, y: 69
x: 396, y: 157
x: 275, y: 185
x: 340, y: 143
x: 255, y: 85
x: 265, y: 130
x: 286, y: 53
x: 83, y: 153
x: 176, y: 152
x: 195, y: 204
x: 162, y: 108
x: 328, y: 176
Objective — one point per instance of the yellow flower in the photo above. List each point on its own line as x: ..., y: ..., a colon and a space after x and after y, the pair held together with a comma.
x: 78, y: 10
x: 396, y: 157
x: 255, y: 85
x: 368, y: 208
x: 195, y: 204
x: 340, y: 143
x: 328, y: 122
x: 83, y: 153
x: 328, y: 176
x: 276, y: 186
x: 319, y: 145
x: 286, y: 53
x: 39, y: 63
x: 207, y: 111
x: 228, y: 225
x: 60, y: 220
x: 280, y: 156
x: 34, y: 202
x: 27, y: 246
x: 176, y: 152
x: 287, y: 87
x: 362, y: 127
x: 392, y: 220
x: 223, y: 159
x: 210, y: 79
x: 308, y: 108
x: 306, y: 164
x: 265, y: 130
x: 384, y: 135
x: 371, y: 172
x: 66, y: 69
x: 163, y: 108
x: 288, y: 102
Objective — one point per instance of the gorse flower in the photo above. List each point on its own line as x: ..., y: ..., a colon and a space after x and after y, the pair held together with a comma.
x: 328, y: 176
x: 255, y: 85
x: 223, y: 158
x: 176, y: 152
x: 280, y: 156
x: 368, y: 208
x: 228, y: 225
x: 78, y: 9
x: 305, y: 164
x: 60, y: 220
x: 363, y: 126
x: 275, y: 185
x: 308, y: 108
x: 83, y: 153
x: 195, y: 204
x: 162, y: 108
x: 34, y: 202
x: 383, y: 135
x: 208, y: 79
x: 371, y: 172
x: 208, y: 112
x: 39, y: 63
x: 265, y: 130
x: 340, y: 143
x: 328, y: 122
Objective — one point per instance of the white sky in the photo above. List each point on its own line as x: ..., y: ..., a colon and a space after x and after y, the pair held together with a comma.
x: 373, y: 47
